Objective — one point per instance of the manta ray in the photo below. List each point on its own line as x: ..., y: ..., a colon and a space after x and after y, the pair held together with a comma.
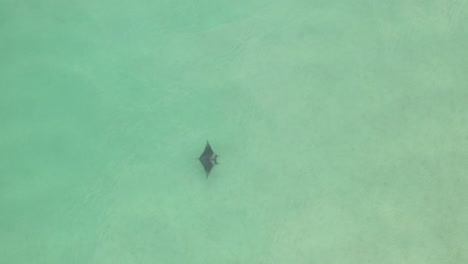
x: 208, y: 159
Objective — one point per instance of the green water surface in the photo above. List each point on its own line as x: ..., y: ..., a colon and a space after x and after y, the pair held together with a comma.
x: 342, y: 128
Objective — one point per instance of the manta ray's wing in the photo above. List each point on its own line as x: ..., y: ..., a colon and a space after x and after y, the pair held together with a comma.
x: 207, y: 165
x: 207, y: 153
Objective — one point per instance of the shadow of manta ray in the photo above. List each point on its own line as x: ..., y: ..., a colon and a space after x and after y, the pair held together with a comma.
x: 208, y: 159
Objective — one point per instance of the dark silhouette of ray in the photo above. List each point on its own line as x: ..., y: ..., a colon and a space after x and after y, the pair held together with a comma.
x: 208, y: 158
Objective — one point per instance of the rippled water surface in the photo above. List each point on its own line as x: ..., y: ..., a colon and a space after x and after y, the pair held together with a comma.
x: 342, y: 130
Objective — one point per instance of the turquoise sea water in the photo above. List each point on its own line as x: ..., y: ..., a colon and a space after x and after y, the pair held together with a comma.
x: 342, y: 128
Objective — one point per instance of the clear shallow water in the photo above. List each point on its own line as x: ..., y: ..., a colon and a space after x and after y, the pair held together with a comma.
x: 342, y: 129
